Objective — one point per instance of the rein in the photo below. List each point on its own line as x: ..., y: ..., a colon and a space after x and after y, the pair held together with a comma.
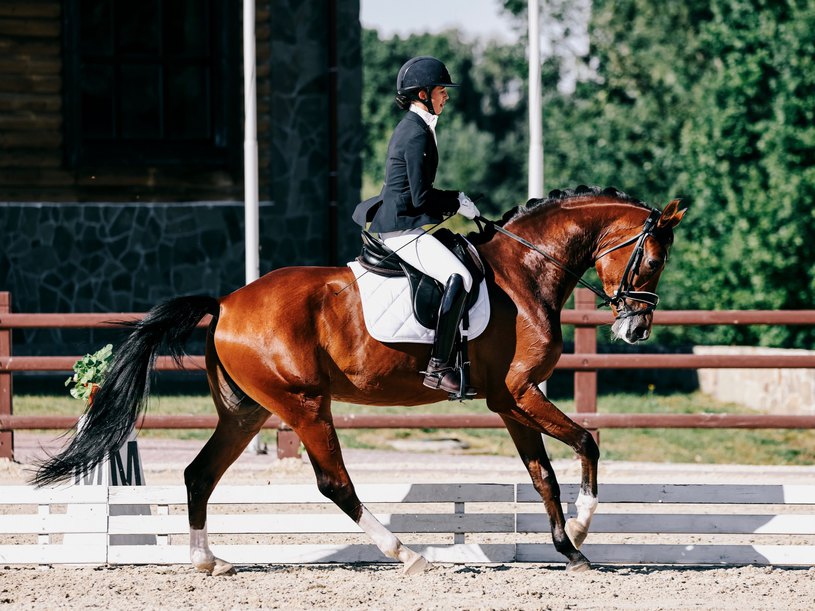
x: 624, y: 291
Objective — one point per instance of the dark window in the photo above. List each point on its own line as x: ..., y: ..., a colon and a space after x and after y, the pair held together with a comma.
x: 151, y: 81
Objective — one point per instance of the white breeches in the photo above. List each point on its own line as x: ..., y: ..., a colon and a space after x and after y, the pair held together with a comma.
x: 427, y: 254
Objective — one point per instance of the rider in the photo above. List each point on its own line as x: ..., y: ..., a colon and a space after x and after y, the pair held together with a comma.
x: 409, y: 202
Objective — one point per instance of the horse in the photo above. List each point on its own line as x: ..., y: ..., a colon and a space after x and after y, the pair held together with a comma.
x: 291, y: 341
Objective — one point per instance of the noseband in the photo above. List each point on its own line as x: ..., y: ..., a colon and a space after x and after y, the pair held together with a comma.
x: 624, y: 291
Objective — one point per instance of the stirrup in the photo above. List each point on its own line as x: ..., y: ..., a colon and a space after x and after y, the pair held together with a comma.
x: 450, y: 379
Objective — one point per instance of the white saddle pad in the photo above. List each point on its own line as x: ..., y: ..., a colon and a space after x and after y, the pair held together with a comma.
x: 388, y: 311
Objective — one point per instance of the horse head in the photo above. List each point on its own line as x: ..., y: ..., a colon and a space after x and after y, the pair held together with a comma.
x: 629, y: 261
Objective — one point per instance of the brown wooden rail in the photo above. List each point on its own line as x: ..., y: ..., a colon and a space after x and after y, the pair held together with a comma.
x: 452, y: 421
x: 585, y: 362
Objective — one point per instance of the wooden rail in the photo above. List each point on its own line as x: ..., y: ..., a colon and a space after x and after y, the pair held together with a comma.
x: 585, y: 362
x: 454, y: 421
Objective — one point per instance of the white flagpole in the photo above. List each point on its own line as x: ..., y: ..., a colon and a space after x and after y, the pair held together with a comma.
x: 250, y: 145
x: 535, y: 162
x: 250, y: 163
x: 535, y: 115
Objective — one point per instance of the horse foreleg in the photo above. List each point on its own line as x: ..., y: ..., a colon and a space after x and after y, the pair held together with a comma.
x: 323, y: 448
x: 535, y: 409
x: 229, y: 440
x: 533, y: 454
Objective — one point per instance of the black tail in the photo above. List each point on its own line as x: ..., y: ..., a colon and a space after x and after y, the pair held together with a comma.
x: 123, y: 395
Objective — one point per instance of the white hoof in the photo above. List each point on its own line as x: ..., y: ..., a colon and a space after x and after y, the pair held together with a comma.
x: 416, y: 564
x: 216, y: 568
x: 576, y: 532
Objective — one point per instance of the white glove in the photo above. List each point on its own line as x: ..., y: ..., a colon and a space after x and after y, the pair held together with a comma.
x: 467, y: 207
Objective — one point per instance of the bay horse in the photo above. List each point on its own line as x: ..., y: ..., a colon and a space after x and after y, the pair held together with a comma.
x: 292, y: 340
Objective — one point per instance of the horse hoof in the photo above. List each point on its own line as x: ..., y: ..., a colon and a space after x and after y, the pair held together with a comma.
x: 216, y: 568
x: 223, y: 568
x: 578, y: 566
x: 576, y: 532
x: 417, y: 565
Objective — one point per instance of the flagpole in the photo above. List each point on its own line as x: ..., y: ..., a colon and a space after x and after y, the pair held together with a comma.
x: 250, y: 164
x: 535, y: 161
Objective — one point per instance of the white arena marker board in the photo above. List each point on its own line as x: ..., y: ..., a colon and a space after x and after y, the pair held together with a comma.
x: 456, y: 523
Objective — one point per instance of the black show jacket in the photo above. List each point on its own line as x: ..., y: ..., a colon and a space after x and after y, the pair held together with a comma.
x: 408, y: 197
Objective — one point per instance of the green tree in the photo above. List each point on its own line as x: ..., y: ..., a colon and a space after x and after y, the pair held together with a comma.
x: 749, y: 155
x: 713, y: 102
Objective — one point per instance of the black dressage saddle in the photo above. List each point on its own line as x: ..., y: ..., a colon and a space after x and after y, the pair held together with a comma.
x: 425, y: 291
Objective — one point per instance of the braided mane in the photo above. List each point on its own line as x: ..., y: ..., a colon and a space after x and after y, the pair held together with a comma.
x: 556, y: 197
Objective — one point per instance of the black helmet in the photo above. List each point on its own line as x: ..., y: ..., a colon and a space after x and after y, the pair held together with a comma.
x: 422, y: 72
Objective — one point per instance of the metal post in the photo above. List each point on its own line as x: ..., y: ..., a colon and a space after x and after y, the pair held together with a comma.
x: 535, y: 159
x: 250, y: 145
x: 250, y: 162
x: 535, y: 105
x: 585, y: 342
x: 6, y: 437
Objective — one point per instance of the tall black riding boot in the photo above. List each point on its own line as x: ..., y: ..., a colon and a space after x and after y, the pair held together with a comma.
x: 440, y: 373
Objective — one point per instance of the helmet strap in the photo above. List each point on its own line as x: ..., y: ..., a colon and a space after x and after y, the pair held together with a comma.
x: 428, y: 102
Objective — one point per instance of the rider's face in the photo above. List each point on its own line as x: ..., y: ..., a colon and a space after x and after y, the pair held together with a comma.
x: 438, y: 97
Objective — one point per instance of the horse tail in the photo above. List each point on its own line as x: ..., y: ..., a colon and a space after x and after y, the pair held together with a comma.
x: 117, y: 404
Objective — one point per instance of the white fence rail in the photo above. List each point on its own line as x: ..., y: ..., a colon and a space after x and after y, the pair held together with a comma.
x: 460, y: 523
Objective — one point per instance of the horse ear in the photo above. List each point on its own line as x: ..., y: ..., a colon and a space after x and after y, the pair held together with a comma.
x: 671, y: 215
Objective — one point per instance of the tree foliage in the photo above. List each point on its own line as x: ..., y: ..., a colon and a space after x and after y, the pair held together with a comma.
x: 712, y: 101
x: 748, y: 154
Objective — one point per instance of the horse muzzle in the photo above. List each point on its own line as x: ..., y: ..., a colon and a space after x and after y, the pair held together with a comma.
x: 634, y: 327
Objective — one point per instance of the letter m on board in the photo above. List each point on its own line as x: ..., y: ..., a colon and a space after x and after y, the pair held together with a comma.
x: 121, y: 476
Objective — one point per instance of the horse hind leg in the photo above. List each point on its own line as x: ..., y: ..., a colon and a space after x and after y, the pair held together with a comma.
x: 316, y: 431
x: 533, y: 454
x: 240, y: 419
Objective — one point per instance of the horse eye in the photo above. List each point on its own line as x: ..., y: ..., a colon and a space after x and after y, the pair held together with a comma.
x: 654, y: 264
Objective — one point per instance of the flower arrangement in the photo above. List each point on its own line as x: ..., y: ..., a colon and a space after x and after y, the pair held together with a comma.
x: 89, y: 371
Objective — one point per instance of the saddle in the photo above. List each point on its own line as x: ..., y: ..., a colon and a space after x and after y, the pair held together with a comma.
x: 425, y: 291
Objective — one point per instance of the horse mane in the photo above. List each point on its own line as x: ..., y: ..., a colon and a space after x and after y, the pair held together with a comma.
x: 555, y: 197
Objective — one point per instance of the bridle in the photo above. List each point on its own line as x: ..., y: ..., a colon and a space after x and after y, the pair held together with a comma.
x: 625, y: 291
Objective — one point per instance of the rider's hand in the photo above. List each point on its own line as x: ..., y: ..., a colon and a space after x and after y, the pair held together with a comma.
x: 466, y: 207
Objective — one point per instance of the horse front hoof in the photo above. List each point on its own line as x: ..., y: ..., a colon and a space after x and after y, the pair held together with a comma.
x: 216, y: 568
x: 223, y: 568
x: 417, y: 564
x: 576, y: 532
x: 579, y: 565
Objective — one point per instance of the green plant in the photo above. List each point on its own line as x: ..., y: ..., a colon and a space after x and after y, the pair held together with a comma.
x: 89, y: 371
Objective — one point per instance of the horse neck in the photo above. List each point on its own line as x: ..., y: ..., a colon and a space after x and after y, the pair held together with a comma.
x: 569, y: 234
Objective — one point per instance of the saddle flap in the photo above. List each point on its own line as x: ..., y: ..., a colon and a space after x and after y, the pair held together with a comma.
x: 388, y: 309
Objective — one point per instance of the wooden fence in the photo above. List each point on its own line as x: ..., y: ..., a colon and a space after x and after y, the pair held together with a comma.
x: 457, y: 523
x: 585, y: 362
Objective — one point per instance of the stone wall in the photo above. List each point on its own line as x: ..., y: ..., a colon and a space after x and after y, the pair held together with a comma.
x: 126, y: 258
x: 302, y: 121
x: 772, y: 391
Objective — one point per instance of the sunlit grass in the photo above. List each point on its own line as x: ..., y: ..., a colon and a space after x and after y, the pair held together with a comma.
x: 745, y: 446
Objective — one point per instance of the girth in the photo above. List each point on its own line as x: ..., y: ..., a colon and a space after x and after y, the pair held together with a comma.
x: 425, y: 291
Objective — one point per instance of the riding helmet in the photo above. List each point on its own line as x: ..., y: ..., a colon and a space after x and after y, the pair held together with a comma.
x: 423, y: 72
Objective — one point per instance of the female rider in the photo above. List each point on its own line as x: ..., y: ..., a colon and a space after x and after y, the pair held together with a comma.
x: 409, y: 202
